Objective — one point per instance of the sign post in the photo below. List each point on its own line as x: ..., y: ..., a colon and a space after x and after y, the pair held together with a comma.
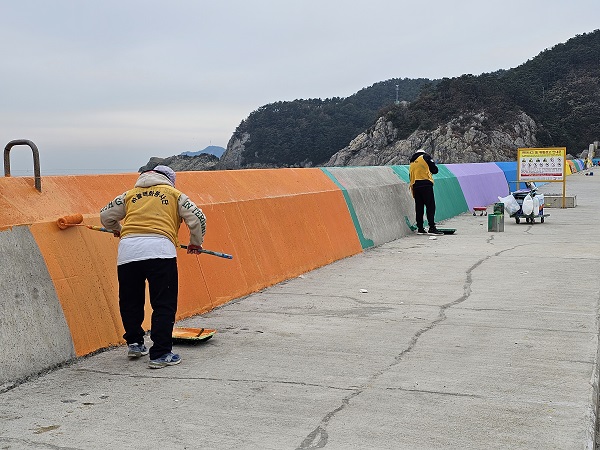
x: 543, y: 164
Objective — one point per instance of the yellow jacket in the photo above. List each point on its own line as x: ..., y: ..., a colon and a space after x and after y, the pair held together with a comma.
x: 152, y: 210
x: 154, y: 207
x: 419, y: 170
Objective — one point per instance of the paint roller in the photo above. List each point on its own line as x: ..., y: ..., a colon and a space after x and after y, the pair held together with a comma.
x: 76, y: 220
x: 69, y: 221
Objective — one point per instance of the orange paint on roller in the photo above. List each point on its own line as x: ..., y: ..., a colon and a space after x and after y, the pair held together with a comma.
x: 67, y: 221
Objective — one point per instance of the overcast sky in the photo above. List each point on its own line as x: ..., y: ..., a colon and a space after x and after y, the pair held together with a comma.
x: 101, y: 86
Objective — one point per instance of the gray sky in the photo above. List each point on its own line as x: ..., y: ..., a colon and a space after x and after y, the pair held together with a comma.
x: 102, y: 86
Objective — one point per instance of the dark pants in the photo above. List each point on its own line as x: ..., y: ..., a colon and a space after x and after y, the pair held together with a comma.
x: 163, y: 286
x: 424, y: 199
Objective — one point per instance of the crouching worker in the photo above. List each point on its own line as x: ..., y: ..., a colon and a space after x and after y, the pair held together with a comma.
x: 151, y: 213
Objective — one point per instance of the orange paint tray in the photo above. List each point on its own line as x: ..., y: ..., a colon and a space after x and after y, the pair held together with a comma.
x: 192, y: 334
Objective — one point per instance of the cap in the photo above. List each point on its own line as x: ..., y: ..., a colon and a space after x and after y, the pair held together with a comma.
x: 167, y: 172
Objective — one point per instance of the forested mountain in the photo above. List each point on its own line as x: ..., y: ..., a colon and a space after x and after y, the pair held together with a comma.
x: 559, y: 90
x: 302, y: 132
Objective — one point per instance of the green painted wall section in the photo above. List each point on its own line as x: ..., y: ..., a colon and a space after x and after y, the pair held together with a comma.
x: 402, y: 172
x: 364, y: 242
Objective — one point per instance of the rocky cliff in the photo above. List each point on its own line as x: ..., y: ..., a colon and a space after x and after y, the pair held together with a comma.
x: 464, y: 139
x: 232, y: 158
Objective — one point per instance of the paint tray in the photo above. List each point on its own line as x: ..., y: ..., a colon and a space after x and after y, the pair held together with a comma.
x: 183, y: 334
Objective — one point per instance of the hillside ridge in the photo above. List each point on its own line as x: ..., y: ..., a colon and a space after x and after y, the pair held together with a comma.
x: 552, y: 99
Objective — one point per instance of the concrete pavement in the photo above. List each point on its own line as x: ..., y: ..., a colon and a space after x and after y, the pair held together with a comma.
x: 477, y: 340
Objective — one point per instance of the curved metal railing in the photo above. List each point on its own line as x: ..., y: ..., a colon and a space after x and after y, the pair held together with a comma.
x: 36, y: 160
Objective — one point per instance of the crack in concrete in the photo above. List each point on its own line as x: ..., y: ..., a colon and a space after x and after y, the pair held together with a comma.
x: 229, y: 380
x: 425, y: 391
x: 319, y: 437
x: 321, y: 431
x: 33, y: 444
x: 550, y: 330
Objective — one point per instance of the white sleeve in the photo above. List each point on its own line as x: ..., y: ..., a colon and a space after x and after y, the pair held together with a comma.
x: 194, y: 218
x: 114, y: 212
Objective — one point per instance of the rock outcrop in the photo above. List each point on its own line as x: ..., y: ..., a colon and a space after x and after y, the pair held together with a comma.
x: 182, y: 163
x: 465, y: 139
x: 232, y: 158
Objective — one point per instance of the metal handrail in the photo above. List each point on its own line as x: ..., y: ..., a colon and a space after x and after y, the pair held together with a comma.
x: 36, y: 160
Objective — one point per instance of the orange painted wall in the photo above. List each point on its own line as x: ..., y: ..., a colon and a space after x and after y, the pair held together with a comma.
x: 278, y: 223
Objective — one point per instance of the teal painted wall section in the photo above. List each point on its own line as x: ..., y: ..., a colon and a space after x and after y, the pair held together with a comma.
x: 402, y: 172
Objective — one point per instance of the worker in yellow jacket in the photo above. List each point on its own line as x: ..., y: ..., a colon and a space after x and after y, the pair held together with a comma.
x: 151, y: 213
x: 421, y: 170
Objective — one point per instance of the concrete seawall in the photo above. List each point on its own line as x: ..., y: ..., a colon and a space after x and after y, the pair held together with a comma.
x: 277, y: 224
x: 33, y: 330
x: 59, y: 287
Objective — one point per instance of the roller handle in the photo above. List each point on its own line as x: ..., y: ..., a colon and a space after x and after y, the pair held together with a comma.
x: 93, y: 227
x: 208, y: 252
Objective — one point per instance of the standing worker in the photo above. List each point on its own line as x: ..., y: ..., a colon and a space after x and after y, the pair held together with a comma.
x: 421, y: 171
x: 151, y: 212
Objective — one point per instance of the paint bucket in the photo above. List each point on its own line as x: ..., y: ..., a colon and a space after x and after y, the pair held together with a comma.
x: 496, y: 222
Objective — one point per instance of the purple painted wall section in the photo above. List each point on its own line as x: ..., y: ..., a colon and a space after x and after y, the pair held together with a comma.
x: 481, y: 183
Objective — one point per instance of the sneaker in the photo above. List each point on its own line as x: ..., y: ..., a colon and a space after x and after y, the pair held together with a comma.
x: 137, y: 350
x: 421, y: 231
x: 435, y: 231
x: 168, y: 359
